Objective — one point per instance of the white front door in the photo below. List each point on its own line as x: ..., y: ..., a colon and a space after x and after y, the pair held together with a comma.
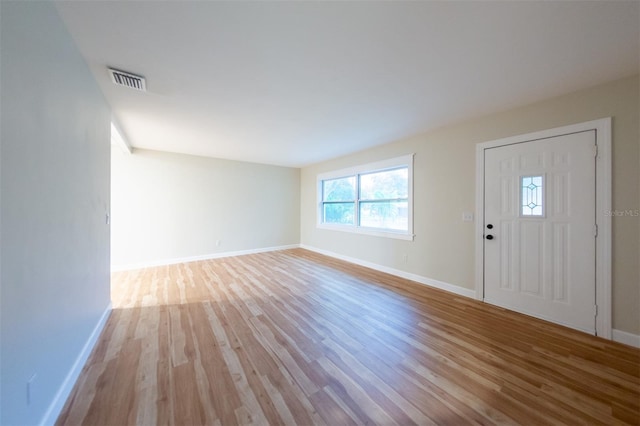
x: 539, y: 228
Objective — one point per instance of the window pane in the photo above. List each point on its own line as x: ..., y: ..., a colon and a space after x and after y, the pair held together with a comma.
x: 343, y: 189
x: 388, y: 184
x: 531, y: 196
x: 385, y: 215
x: 339, y: 213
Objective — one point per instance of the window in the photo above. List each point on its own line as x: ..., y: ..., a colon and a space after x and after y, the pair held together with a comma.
x: 531, y: 196
x: 373, y: 199
x: 339, y: 200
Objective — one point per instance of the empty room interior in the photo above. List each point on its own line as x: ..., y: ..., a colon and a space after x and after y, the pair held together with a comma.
x: 323, y: 212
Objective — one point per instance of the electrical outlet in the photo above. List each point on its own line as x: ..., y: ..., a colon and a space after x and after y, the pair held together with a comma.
x: 405, y: 258
x: 467, y: 217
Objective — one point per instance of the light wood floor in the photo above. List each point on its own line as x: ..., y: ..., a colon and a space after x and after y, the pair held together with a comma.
x: 293, y: 337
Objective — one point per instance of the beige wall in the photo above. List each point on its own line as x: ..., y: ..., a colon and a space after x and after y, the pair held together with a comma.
x: 444, y: 187
x: 172, y: 206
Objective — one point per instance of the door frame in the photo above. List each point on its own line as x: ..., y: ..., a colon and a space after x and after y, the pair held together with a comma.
x: 602, y: 129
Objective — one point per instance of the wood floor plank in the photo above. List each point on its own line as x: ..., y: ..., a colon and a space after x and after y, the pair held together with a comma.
x: 293, y: 337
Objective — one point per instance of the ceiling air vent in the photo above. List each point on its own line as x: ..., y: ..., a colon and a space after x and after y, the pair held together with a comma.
x: 123, y: 78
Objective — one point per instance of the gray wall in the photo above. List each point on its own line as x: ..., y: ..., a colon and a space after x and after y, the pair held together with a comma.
x: 444, y: 187
x: 54, y: 172
x: 172, y: 206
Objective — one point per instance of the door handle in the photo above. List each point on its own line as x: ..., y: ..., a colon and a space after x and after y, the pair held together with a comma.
x: 489, y: 237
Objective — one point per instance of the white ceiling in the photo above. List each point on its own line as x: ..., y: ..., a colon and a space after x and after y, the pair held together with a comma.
x: 293, y: 83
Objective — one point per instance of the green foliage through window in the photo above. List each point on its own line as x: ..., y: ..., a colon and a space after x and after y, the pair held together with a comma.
x: 378, y: 200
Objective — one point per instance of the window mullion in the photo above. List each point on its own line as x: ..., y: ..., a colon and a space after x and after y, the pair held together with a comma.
x: 357, y: 205
x: 384, y: 200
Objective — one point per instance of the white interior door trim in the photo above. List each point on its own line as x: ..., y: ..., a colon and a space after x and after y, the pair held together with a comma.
x: 602, y: 128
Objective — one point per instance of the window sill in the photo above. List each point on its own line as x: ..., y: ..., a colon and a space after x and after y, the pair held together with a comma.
x: 399, y: 235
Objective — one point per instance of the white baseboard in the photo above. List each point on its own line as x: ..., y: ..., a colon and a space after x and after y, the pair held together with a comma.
x: 626, y: 338
x: 164, y: 262
x: 397, y: 272
x: 65, y: 389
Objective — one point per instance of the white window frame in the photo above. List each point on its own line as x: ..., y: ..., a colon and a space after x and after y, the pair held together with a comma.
x: 379, y: 166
